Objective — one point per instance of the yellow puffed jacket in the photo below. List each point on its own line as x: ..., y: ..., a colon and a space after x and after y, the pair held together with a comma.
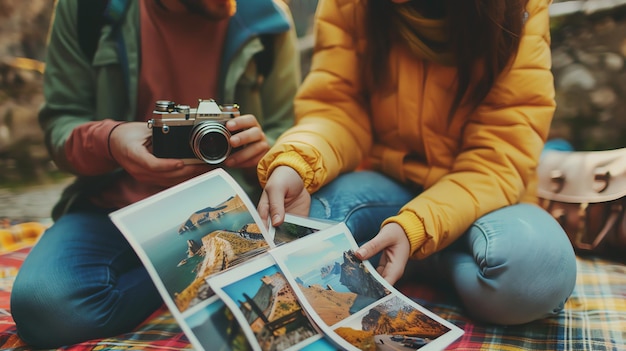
x: 467, y: 168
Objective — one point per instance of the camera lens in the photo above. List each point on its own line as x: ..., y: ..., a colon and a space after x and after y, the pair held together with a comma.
x: 210, y: 142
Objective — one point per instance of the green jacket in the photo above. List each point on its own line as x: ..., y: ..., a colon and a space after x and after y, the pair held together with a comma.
x: 77, y: 91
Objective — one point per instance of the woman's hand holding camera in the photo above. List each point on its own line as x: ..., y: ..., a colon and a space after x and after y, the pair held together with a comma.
x: 246, y: 131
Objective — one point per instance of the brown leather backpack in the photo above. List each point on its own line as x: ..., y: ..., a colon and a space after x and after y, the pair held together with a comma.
x: 585, y: 191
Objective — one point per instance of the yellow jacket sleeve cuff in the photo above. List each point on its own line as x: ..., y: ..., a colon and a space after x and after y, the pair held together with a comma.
x: 294, y: 160
x: 413, y: 227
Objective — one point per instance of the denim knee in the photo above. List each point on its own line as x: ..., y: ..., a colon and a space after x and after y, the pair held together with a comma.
x: 63, y: 317
x: 50, y: 321
x: 521, y: 266
x: 81, y: 281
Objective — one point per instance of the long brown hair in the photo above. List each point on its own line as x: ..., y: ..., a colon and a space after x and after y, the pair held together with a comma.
x: 481, y: 32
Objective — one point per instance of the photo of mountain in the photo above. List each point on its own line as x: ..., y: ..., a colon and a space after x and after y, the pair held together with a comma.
x: 394, y: 321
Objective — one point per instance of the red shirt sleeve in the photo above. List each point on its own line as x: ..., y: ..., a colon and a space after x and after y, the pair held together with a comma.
x: 87, y: 148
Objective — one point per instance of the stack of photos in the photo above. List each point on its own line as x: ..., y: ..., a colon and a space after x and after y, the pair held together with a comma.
x: 233, y: 282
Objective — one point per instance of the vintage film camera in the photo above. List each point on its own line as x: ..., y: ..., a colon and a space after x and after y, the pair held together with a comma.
x: 195, y: 135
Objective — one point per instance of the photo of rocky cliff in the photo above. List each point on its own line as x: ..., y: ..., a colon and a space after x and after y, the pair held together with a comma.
x: 348, y: 288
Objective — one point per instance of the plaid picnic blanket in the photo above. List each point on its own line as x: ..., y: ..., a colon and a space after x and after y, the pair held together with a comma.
x: 594, y: 317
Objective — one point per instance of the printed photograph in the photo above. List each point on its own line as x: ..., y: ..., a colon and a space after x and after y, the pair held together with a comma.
x: 330, y: 278
x: 394, y: 324
x: 323, y: 344
x: 215, y: 325
x: 295, y: 227
x: 266, y: 305
x: 198, y: 237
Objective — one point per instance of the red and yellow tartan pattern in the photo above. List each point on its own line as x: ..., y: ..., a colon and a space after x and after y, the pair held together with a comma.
x: 159, y: 332
x: 594, y: 317
x: 13, y: 237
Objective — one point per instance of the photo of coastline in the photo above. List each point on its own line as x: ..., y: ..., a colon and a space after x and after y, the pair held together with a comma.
x: 182, y: 245
x: 265, y: 305
x: 330, y: 278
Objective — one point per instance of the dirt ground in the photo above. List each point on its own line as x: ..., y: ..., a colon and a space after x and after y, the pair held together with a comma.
x: 32, y: 203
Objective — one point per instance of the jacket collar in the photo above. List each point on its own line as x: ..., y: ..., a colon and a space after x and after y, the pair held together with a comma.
x: 253, y: 18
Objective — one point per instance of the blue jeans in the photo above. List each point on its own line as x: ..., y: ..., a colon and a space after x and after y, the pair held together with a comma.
x: 512, y: 266
x: 81, y: 281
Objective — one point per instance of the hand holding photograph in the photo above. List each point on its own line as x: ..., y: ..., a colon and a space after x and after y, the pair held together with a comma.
x: 347, y: 298
x: 232, y: 284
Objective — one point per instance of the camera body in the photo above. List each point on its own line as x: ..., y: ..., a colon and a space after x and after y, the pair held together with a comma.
x: 196, y: 135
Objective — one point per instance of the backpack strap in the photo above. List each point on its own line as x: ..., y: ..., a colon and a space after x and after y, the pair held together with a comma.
x: 114, y: 15
x: 90, y: 19
x: 265, y: 58
x: 92, y: 16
